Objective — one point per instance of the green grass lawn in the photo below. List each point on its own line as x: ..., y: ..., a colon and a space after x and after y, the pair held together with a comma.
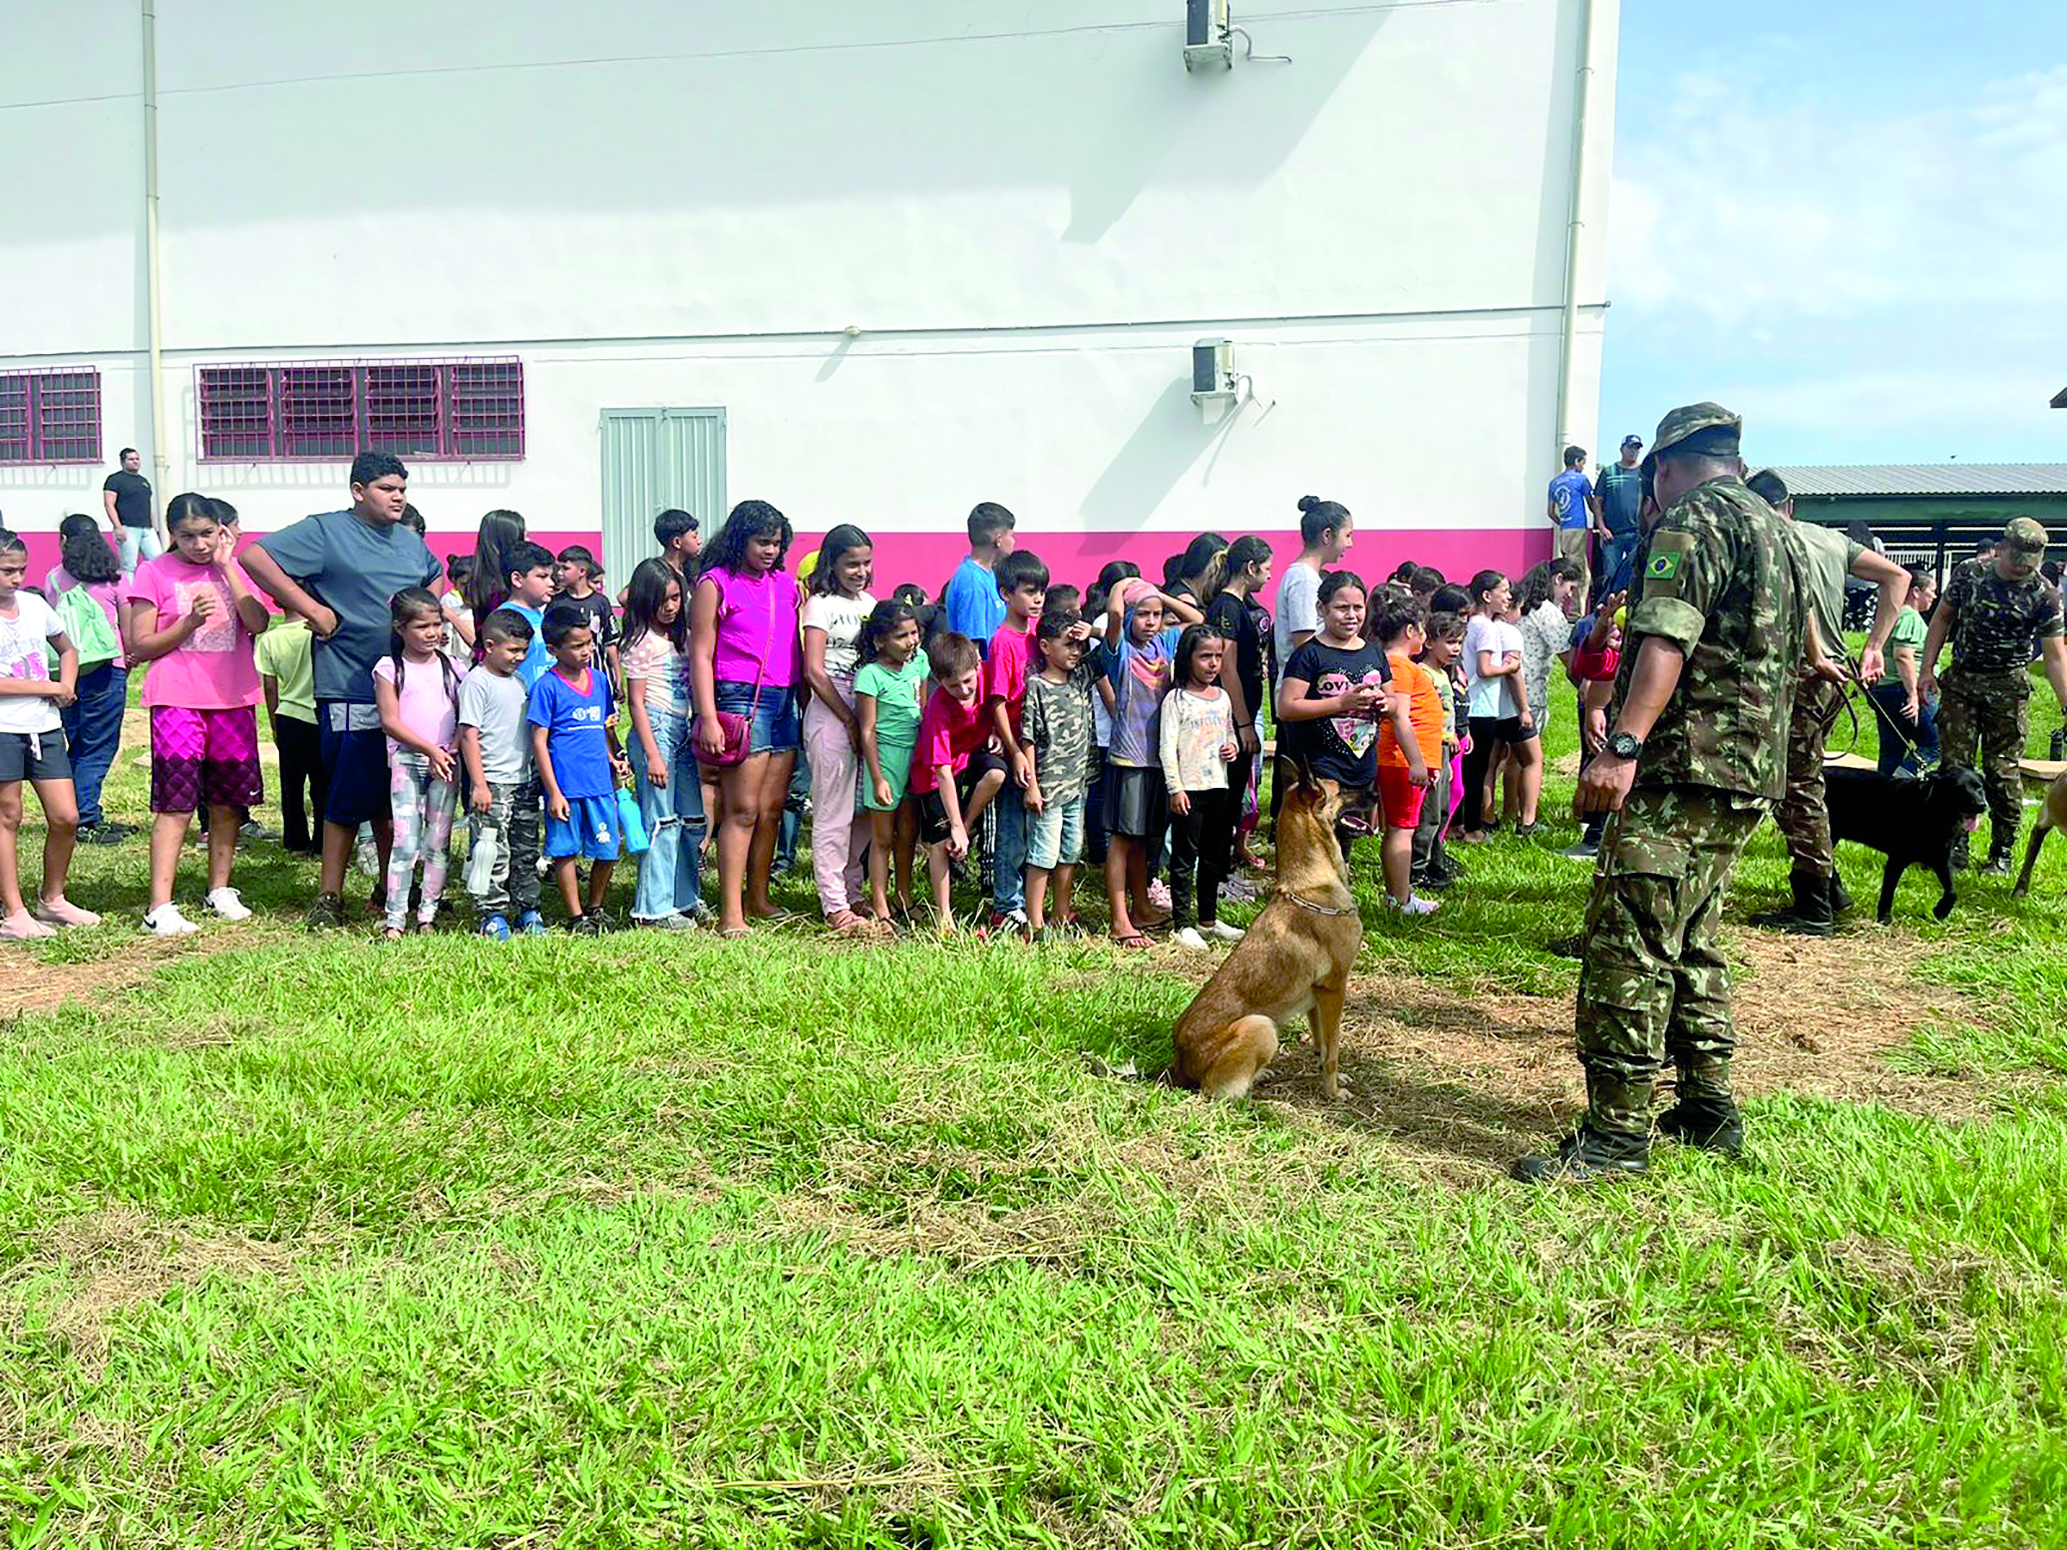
x: 671, y: 1240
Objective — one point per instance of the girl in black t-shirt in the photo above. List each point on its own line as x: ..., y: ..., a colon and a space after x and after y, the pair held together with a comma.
x: 1332, y: 697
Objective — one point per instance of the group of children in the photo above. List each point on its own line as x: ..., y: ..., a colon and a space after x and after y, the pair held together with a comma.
x: 1123, y: 725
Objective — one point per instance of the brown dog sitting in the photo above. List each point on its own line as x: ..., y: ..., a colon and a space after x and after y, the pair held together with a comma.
x: 1295, y: 958
x: 2052, y: 815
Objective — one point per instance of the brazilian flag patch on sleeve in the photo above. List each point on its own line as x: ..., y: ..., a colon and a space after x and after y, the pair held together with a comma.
x: 1663, y: 566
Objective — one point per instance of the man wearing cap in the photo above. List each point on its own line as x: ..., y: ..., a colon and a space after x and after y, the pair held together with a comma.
x: 1713, y: 648
x: 1998, y: 613
x: 1618, y: 496
x: 1803, y: 815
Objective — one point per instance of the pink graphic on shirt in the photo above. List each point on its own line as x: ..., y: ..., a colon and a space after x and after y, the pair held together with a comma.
x: 1355, y: 733
x: 220, y: 631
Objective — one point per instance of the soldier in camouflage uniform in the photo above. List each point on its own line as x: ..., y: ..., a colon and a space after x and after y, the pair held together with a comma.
x: 1998, y: 613
x: 1715, y: 642
x: 1803, y: 815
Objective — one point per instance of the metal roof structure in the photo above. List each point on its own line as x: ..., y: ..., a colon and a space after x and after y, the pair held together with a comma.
x: 1885, y: 480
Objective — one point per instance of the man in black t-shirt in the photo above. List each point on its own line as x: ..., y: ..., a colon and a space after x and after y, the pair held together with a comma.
x: 126, y: 494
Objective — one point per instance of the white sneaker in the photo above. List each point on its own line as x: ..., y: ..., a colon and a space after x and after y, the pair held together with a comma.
x: 166, y: 920
x: 227, y: 903
x: 1225, y: 932
x: 1415, y: 905
x: 1189, y: 937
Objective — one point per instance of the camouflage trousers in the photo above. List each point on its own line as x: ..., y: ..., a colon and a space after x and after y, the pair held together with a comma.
x: 1990, y: 709
x: 1803, y: 815
x: 1653, y: 981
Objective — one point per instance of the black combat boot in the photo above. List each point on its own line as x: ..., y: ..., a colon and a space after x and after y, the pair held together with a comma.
x: 2002, y: 857
x: 1707, y: 1120
x: 1613, y: 1142
x: 1586, y: 1156
x: 1809, y: 914
x: 1840, y: 901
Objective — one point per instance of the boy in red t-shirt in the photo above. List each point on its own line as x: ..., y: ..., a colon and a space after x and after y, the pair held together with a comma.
x: 953, y: 774
x: 1410, y: 748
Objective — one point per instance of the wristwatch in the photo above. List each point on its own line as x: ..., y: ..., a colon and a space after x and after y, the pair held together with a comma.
x: 1623, y: 746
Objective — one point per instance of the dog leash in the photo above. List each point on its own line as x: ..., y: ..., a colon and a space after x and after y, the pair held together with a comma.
x: 1308, y: 904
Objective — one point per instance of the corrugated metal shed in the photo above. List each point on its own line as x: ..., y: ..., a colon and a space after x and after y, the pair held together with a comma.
x: 1895, y: 480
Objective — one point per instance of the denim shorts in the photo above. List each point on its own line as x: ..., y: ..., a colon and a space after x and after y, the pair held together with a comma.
x: 776, y: 727
x: 1055, y: 834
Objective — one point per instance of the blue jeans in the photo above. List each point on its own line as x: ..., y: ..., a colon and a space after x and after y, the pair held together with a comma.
x: 93, y: 731
x: 1614, y: 554
x: 1909, y: 744
x: 137, y: 544
x: 669, y: 875
x: 1008, y: 854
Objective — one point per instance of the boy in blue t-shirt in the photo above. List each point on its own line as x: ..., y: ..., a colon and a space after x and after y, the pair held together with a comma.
x: 574, y: 736
x: 974, y: 605
x: 531, y: 583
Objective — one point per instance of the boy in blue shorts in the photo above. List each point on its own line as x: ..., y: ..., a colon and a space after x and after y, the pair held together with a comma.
x: 574, y: 739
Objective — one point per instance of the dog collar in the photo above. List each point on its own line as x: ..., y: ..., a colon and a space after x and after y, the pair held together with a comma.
x: 1308, y: 904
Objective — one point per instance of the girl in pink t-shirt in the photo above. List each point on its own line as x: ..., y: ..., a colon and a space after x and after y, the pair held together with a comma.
x: 417, y: 690
x: 192, y: 615
x: 743, y: 662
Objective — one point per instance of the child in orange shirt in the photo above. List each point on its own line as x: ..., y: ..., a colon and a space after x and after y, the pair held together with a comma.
x: 1407, y: 764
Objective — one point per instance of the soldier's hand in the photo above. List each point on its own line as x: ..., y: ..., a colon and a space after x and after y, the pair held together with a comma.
x: 1873, y: 664
x: 1603, y: 785
x: 1927, y: 687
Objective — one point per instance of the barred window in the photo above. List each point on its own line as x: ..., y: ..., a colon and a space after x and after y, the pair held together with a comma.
x: 50, y: 416
x: 325, y: 411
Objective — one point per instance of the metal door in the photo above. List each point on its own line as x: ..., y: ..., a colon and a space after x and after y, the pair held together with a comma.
x: 654, y: 459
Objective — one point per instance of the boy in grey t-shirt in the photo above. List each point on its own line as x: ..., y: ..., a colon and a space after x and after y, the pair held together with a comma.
x: 502, y: 784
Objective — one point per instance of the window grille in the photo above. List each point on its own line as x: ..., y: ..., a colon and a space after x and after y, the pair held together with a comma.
x: 324, y: 411
x: 50, y: 416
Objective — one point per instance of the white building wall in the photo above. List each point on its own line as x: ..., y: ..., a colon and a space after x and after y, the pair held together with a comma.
x: 1029, y: 210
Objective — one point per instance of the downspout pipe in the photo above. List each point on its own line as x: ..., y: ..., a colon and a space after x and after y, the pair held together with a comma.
x: 154, y: 308
x: 1574, y: 225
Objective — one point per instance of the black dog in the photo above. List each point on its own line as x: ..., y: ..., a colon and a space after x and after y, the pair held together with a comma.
x: 1911, y: 822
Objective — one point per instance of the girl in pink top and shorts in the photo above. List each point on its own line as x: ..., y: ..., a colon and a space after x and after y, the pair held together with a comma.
x: 192, y: 615
x: 744, y: 660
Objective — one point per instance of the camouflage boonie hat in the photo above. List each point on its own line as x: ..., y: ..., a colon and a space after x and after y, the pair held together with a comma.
x: 1684, y: 424
x: 2025, y: 535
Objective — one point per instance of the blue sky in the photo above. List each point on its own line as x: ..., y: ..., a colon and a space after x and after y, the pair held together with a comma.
x: 1845, y: 220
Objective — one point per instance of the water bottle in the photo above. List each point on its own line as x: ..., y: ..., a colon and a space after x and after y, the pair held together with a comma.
x: 629, y: 820
x: 481, y: 863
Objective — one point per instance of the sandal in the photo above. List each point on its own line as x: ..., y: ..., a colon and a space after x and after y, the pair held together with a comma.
x: 391, y: 934
x: 1135, y: 943
x: 735, y: 931
x: 847, y: 923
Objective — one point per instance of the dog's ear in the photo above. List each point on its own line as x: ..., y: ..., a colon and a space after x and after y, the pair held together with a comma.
x: 1306, y: 781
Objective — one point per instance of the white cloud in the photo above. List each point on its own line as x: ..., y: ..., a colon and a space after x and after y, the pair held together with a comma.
x: 1748, y: 208
x: 1862, y: 285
